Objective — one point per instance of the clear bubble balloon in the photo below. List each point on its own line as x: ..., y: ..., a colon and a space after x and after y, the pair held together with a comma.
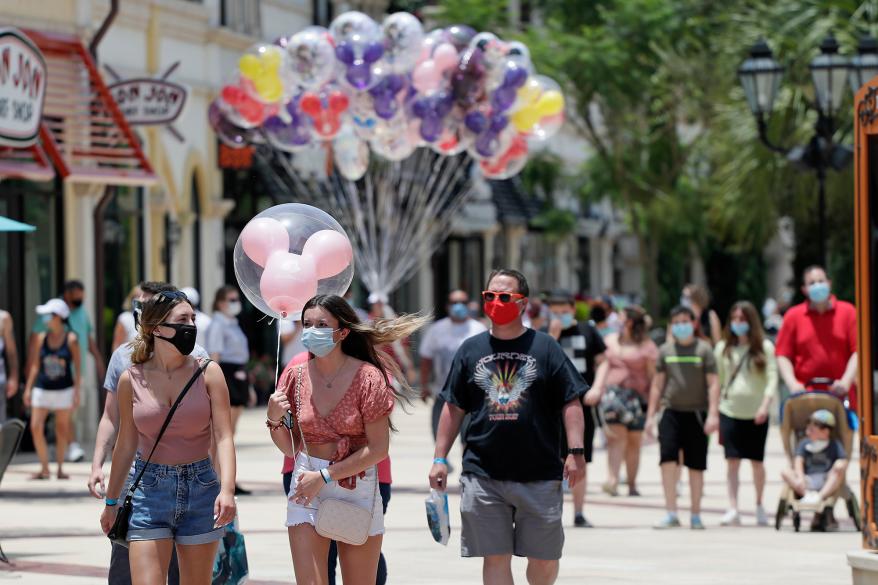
x: 305, y: 251
x: 229, y: 133
x: 311, y: 57
x: 403, y: 35
x: 266, y: 72
x: 351, y: 155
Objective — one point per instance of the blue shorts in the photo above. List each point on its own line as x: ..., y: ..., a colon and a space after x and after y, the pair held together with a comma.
x: 175, y: 502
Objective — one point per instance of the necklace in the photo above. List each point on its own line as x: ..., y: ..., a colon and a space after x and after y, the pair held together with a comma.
x: 328, y: 384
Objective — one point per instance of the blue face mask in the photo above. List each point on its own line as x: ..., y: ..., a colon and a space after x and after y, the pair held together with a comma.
x: 458, y: 311
x: 47, y: 319
x: 682, y: 331
x: 566, y: 320
x: 818, y: 292
x: 318, y: 340
x: 740, y: 328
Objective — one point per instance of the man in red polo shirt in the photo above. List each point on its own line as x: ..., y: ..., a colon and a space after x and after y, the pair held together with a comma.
x: 818, y: 339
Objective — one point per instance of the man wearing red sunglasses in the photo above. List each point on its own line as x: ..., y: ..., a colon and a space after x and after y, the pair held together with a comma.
x: 521, y: 393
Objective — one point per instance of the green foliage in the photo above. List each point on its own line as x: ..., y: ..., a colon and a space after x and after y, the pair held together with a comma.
x: 652, y: 86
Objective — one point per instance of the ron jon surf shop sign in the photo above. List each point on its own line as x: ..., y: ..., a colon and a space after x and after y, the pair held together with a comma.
x: 145, y: 101
x: 22, y: 88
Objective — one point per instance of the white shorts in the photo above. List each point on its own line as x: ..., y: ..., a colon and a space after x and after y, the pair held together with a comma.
x: 365, y: 492
x: 52, y: 399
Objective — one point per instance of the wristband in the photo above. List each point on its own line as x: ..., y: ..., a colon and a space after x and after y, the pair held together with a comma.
x: 441, y: 460
x: 324, y: 473
x: 111, y: 501
x: 576, y: 451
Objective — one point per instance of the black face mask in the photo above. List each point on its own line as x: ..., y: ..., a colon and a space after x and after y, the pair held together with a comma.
x: 76, y: 303
x: 184, y: 337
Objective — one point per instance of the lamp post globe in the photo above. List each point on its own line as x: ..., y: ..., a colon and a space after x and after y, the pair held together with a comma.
x: 760, y: 77
x: 864, y: 65
x: 829, y: 72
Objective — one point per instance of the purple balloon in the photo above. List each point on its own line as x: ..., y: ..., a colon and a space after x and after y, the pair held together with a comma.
x: 295, y: 133
x: 475, y: 122
x: 344, y: 52
x: 431, y: 128
x: 385, y: 108
x: 503, y: 98
x: 373, y: 52
x: 498, y: 123
x: 515, y: 76
x: 486, y: 144
x: 468, y: 79
x: 228, y: 133
x: 359, y: 75
x: 459, y: 35
x: 420, y: 108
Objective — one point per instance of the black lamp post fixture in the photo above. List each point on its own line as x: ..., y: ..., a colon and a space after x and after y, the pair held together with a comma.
x: 760, y: 77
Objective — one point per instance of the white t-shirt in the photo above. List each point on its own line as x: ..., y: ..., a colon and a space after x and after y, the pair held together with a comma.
x: 441, y: 342
x: 202, y: 322
x: 126, y: 320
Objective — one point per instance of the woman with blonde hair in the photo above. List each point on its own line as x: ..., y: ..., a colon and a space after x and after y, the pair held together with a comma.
x: 179, y: 501
x: 748, y: 382
x: 340, y: 402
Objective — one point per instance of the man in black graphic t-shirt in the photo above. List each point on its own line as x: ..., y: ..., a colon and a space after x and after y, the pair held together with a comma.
x: 583, y: 344
x: 521, y: 392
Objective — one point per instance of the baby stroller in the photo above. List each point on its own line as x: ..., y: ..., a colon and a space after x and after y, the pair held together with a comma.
x: 796, y: 411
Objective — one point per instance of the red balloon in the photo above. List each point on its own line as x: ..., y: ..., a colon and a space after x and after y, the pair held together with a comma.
x: 310, y: 104
x: 338, y: 102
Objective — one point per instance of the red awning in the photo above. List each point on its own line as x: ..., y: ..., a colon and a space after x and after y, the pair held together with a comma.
x: 83, y: 132
x: 29, y: 163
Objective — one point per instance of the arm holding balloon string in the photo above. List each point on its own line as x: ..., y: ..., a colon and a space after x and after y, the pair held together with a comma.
x: 279, y: 406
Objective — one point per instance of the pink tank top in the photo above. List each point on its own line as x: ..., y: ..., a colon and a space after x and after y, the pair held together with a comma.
x: 187, y: 438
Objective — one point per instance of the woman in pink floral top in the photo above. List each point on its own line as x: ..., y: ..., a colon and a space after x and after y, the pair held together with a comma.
x: 343, y: 409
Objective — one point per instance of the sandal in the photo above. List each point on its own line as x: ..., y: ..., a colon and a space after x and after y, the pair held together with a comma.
x: 41, y: 475
x: 610, y: 489
x: 62, y: 475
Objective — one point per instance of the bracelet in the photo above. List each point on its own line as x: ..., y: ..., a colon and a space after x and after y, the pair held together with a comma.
x: 273, y: 425
x: 441, y: 460
x: 111, y: 501
x: 324, y: 473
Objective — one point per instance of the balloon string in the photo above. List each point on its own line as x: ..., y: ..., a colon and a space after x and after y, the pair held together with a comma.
x: 277, y: 359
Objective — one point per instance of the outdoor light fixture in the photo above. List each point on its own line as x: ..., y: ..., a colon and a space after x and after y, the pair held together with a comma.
x: 864, y: 65
x: 760, y: 76
x: 831, y: 73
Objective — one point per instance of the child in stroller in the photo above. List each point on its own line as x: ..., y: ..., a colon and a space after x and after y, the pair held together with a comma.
x: 819, y: 468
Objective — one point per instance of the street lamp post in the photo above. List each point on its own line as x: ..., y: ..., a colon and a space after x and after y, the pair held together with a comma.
x: 760, y: 77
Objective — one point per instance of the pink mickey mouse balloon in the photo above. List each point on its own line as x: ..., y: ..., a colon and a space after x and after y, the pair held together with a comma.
x: 289, y: 253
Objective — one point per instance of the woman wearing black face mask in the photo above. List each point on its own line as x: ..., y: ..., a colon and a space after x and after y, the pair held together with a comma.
x: 164, y: 515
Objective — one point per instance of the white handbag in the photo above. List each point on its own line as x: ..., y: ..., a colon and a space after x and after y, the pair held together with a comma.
x: 338, y: 519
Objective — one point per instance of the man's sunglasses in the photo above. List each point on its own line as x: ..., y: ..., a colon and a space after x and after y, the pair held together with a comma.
x: 504, y: 297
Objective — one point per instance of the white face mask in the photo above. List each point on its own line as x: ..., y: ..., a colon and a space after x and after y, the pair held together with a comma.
x: 233, y: 308
x: 817, y: 446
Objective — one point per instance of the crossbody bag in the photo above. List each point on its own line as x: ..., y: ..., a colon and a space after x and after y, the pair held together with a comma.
x: 118, y: 533
x: 337, y: 519
x: 730, y: 381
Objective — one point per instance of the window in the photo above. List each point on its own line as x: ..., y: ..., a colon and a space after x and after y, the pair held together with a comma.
x: 241, y: 16
x: 123, y: 253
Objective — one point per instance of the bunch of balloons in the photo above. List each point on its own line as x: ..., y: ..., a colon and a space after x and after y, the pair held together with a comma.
x: 388, y: 89
x: 289, y: 253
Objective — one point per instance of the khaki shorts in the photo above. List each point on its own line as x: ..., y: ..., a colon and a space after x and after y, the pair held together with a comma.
x: 510, y: 517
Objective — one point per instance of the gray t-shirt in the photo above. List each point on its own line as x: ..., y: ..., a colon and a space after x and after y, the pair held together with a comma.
x: 121, y: 361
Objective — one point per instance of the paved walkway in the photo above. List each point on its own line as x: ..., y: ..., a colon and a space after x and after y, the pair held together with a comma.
x: 50, y: 529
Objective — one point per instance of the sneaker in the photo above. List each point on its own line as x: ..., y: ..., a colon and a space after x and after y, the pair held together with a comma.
x: 669, y: 521
x: 633, y: 492
x: 731, y: 518
x: 830, y: 524
x: 74, y: 454
x: 239, y: 491
x: 610, y: 489
x: 695, y: 523
x: 761, y: 517
x: 580, y: 521
x: 810, y: 500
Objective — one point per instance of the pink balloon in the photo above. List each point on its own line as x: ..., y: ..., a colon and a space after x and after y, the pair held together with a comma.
x: 262, y: 237
x: 330, y: 250
x: 287, y: 282
x: 445, y: 56
x: 426, y: 77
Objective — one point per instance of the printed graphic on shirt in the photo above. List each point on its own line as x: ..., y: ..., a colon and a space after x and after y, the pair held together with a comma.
x: 54, y: 367
x: 505, y: 378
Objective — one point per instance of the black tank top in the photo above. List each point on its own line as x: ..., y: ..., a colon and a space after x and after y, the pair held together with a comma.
x: 56, y: 366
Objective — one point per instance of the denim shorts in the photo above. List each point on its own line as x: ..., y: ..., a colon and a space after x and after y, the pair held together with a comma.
x: 175, y: 502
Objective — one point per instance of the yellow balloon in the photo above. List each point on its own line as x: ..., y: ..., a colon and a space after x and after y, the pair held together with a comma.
x: 530, y: 91
x: 271, y: 60
x: 250, y: 67
x: 550, y: 103
x: 269, y: 88
x: 525, y: 119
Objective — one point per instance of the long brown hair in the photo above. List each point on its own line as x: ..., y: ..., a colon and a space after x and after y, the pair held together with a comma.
x: 636, y: 316
x: 153, y: 314
x: 364, y: 338
x: 222, y: 294
x: 756, y: 335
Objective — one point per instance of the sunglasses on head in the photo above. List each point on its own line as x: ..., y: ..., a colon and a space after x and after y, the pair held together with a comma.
x: 504, y: 297
x: 819, y: 424
x: 167, y: 296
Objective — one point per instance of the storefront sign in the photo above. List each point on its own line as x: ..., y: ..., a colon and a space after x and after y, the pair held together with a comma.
x: 149, y: 102
x: 22, y: 88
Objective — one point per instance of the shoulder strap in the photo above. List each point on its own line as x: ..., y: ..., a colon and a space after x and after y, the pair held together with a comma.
x: 734, y: 375
x: 198, y: 372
